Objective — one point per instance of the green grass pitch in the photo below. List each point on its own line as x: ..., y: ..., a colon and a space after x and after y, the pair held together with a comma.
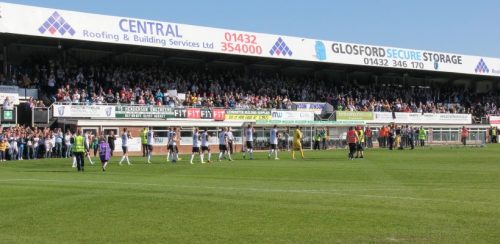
x: 438, y: 195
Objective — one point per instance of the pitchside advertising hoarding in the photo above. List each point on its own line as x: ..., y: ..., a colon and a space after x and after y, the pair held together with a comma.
x: 84, y: 111
x: 404, y: 118
x: 12, y: 92
x: 200, y: 113
x: 419, y: 118
x: 248, y: 115
x: 292, y: 115
x: 123, y: 30
x: 317, y: 108
x: 495, y: 120
x: 353, y: 115
x: 144, y: 112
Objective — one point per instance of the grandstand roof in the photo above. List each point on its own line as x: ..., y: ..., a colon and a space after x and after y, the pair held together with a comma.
x: 196, y: 43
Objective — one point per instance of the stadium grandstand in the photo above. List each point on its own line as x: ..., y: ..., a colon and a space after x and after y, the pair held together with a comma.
x: 108, y: 73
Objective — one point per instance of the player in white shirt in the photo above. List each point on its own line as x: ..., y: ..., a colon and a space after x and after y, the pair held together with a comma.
x: 88, y: 140
x: 196, y: 146
x: 230, y: 139
x: 172, y: 146
x: 150, y: 140
x: 223, y: 145
x: 249, y: 141
x: 125, y: 137
x: 273, y: 141
x: 205, y: 145
x: 168, y: 147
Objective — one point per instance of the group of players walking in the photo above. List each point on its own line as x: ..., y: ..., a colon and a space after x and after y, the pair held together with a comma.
x: 357, y: 138
x: 200, y: 145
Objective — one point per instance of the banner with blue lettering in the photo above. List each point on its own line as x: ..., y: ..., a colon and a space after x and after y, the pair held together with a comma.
x: 62, y: 24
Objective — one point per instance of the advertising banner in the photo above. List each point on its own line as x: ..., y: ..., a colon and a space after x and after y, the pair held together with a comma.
x: 219, y: 114
x: 12, y: 92
x: 193, y: 113
x: 248, y: 115
x: 419, y: 118
x: 84, y: 111
x: 494, y: 120
x: 311, y: 123
x: 62, y: 24
x: 353, y: 115
x: 317, y: 108
x: 292, y: 115
x: 144, y: 112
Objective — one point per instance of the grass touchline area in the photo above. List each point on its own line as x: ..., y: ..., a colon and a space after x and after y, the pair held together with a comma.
x: 443, y: 195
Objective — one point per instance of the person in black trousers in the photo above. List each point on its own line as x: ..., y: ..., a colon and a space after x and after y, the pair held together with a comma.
x: 390, y: 138
x: 80, y: 148
x: 111, y: 141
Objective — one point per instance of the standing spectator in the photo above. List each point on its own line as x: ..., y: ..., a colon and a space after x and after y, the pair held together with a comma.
x: 493, y: 134
x: 3, y: 148
x: 464, y: 135
x: 317, y: 139
x: 13, y: 149
x: 411, y: 138
x: 36, y: 146
x: 48, y: 146
x: 21, y: 142
x: 29, y: 147
x: 67, y: 143
x: 369, y: 135
x: 391, y: 134
x: 324, y: 137
x: 58, y: 138
x: 111, y: 141
x: 422, y: 134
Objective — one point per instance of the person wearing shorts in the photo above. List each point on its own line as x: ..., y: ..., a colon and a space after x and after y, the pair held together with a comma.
x: 223, y: 141
x: 196, y: 146
x: 297, y: 143
x: 249, y: 131
x: 125, y: 138
x: 205, y: 146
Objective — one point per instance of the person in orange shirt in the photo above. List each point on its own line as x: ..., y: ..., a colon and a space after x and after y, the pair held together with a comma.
x: 351, y: 139
x: 383, y: 137
x: 464, y: 134
x: 369, y: 134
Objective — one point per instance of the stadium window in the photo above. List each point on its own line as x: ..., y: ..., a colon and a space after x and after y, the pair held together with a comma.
x: 186, y: 133
x: 106, y: 131
x: 436, y: 134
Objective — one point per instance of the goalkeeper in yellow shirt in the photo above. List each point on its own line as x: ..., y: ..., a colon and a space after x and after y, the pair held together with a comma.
x: 297, y: 144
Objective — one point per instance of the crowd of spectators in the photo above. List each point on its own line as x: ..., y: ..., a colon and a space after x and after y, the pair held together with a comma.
x: 233, y: 88
x: 22, y: 142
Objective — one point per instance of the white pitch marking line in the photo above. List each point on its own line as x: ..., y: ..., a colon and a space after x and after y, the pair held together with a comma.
x: 332, y: 192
